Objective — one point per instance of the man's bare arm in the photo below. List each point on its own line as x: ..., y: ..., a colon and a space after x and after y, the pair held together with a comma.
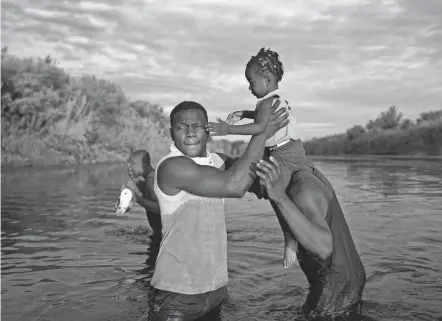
x: 228, y: 161
x: 275, y: 123
x: 304, y: 208
x: 181, y: 173
x: 242, y: 173
x: 272, y: 127
x: 151, y: 206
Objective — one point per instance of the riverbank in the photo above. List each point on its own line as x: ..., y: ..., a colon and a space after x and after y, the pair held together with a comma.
x: 422, y: 139
x: 32, y: 152
x: 117, y: 161
x: 41, y: 153
x: 50, y: 118
x: 359, y: 158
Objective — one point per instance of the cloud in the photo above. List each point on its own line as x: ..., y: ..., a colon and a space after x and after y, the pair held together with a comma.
x: 345, y: 61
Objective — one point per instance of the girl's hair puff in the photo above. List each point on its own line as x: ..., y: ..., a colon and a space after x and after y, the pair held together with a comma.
x: 267, y: 61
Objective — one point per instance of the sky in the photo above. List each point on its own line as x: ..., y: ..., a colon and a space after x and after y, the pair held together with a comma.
x: 345, y: 61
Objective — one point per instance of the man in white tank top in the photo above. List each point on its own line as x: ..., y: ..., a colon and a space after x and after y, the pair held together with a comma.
x: 190, y: 184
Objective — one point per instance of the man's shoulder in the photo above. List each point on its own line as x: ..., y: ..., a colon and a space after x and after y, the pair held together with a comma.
x: 173, y: 164
x: 306, y: 182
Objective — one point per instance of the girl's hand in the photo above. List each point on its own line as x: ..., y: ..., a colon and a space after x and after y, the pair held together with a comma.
x: 270, y: 175
x: 235, y: 117
x: 221, y: 128
x: 129, y: 207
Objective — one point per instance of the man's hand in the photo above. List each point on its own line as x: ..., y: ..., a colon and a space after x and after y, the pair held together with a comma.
x: 256, y: 188
x: 235, y: 117
x: 135, y: 190
x: 129, y: 207
x: 270, y: 174
x: 221, y: 128
x: 277, y: 121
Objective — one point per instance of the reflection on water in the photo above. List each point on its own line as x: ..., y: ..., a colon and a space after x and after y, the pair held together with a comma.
x: 395, y: 177
x: 66, y: 256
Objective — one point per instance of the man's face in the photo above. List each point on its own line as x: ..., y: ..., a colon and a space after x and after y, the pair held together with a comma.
x: 139, y: 166
x: 135, y: 169
x: 147, y: 169
x: 189, y: 133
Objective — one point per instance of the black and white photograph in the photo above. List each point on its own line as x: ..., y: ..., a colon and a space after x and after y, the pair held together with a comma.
x: 221, y: 160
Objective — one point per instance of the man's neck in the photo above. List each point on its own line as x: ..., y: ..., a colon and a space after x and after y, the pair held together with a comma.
x: 204, y: 153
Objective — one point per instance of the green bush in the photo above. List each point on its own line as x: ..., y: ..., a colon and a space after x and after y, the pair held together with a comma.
x: 386, y: 135
x: 50, y: 117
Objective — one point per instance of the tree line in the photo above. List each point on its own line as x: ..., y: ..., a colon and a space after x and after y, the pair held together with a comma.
x: 388, y: 134
x: 50, y: 117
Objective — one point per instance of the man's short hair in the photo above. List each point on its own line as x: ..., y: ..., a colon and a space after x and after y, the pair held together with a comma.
x: 139, y: 155
x: 187, y: 105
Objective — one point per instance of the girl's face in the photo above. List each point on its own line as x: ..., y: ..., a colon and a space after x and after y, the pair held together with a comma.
x: 258, y: 83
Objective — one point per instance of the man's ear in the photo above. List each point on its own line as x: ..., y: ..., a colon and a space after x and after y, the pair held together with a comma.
x: 171, y: 133
x: 206, y: 130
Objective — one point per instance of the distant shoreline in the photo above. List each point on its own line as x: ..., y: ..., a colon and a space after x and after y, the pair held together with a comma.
x: 58, y: 166
x: 363, y: 157
x: 82, y: 122
x: 351, y: 158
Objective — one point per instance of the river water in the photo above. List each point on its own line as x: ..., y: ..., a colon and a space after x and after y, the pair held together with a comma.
x: 66, y: 256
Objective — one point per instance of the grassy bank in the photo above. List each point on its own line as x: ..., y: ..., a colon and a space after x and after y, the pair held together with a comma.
x: 375, y: 158
x: 388, y: 134
x: 421, y: 140
x: 51, y: 118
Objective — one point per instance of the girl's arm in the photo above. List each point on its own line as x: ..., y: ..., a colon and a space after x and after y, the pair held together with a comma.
x: 259, y: 126
x: 248, y: 114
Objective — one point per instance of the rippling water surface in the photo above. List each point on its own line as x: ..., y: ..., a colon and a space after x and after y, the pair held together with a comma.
x: 66, y: 256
